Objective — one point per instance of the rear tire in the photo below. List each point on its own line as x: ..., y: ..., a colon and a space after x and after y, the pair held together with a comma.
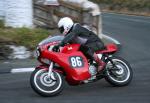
x: 44, y: 86
x: 121, y: 74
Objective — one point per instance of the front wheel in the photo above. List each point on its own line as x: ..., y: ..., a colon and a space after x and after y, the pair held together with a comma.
x: 118, y: 71
x: 44, y: 85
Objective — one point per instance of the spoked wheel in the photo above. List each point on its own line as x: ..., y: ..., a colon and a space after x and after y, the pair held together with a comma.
x: 44, y: 85
x: 118, y: 72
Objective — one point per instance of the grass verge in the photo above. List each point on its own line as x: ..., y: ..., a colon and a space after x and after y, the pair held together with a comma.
x: 23, y: 36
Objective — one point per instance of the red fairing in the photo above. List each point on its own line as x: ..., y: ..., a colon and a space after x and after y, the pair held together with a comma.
x: 70, y: 48
x: 110, y: 48
x: 71, y: 60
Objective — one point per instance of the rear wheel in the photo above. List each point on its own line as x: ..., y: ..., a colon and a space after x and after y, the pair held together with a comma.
x: 118, y: 72
x: 44, y: 85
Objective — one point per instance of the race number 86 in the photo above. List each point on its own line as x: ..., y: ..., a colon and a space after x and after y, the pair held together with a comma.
x: 76, y: 61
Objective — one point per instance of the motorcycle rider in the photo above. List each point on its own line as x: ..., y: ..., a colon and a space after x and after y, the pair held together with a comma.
x: 75, y: 33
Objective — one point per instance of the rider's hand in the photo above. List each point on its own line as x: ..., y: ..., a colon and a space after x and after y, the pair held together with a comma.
x: 56, y: 48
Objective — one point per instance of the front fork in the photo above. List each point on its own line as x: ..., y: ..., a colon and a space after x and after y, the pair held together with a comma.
x: 50, y: 71
x: 108, y: 59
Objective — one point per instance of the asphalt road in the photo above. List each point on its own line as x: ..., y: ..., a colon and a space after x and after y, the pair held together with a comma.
x: 133, y: 34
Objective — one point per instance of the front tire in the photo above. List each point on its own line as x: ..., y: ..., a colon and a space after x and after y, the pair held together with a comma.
x: 119, y: 74
x: 45, y: 86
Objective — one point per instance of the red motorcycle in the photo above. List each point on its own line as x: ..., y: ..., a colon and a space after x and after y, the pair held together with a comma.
x: 70, y: 64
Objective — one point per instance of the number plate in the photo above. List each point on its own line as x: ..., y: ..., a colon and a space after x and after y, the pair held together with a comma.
x: 76, y: 61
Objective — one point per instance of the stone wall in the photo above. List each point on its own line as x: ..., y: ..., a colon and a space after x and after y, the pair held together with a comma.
x: 83, y: 11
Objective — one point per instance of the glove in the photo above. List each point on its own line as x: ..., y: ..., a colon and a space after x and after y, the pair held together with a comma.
x: 56, y: 48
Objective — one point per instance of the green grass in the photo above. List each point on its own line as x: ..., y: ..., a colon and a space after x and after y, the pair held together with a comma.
x: 23, y: 36
x: 1, y: 24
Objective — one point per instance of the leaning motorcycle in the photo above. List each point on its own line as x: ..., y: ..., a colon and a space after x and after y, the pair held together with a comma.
x: 69, y: 64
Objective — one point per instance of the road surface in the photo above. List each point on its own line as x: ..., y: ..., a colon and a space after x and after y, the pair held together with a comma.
x: 133, y: 32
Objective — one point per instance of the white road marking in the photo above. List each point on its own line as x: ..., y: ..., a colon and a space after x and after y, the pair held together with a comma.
x: 129, y: 19
x: 127, y: 15
x: 22, y: 70
x: 135, y: 20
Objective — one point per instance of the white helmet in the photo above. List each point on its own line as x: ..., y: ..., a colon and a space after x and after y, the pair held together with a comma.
x: 65, y: 24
